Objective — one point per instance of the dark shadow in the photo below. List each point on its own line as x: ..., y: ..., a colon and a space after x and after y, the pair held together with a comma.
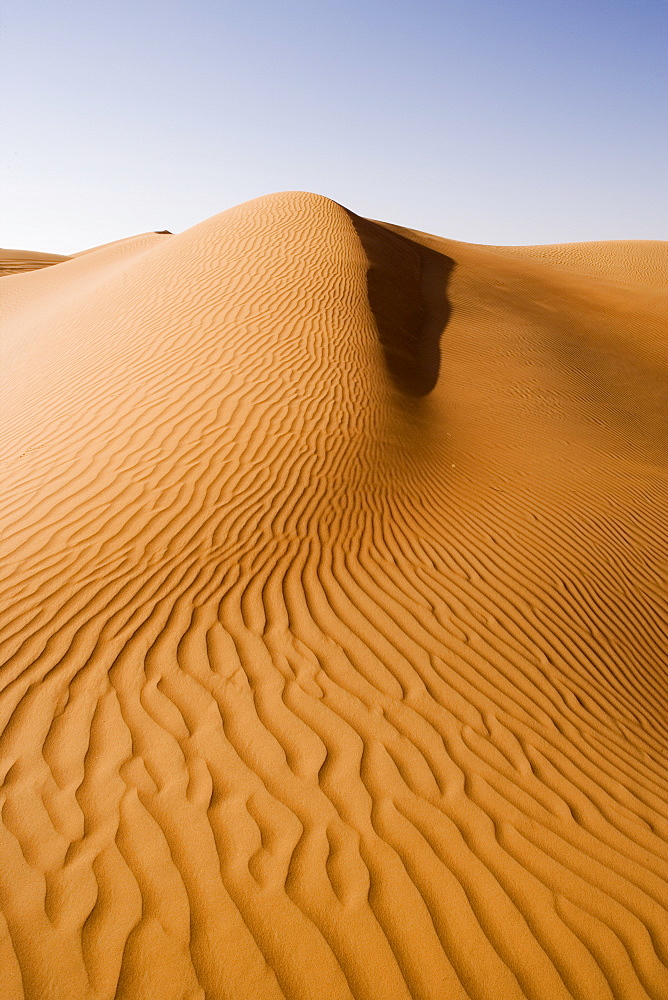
x: 407, y: 290
x: 163, y: 232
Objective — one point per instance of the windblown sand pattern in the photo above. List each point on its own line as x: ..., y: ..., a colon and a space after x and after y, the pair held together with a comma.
x: 335, y: 617
x: 17, y: 261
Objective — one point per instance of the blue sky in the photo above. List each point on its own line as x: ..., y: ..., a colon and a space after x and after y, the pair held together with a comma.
x: 489, y: 121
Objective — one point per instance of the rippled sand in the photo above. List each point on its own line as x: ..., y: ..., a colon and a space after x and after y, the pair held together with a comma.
x: 334, y: 616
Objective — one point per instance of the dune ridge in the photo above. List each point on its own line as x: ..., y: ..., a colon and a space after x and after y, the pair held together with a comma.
x: 334, y: 626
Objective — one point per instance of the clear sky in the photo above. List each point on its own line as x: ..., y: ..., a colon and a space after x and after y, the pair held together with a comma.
x: 490, y: 121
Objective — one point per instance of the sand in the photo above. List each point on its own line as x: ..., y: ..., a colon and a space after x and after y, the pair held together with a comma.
x: 334, y: 616
x: 17, y: 261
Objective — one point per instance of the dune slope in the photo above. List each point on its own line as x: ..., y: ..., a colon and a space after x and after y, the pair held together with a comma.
x: 334, y: 623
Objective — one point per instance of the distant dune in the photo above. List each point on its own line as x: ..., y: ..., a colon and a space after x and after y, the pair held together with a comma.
x: 334, y: 616
x: 17, y: 261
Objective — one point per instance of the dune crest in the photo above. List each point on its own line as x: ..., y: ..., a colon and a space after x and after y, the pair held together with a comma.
x: 334, y: 626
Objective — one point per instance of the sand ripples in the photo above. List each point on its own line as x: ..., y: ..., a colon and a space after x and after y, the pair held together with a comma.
x: 314, y: 688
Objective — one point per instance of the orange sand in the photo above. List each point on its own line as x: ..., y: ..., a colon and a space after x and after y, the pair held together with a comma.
x: 335, y: 616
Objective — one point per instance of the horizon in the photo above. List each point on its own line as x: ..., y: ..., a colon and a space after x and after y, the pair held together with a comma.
x: 513, y: 126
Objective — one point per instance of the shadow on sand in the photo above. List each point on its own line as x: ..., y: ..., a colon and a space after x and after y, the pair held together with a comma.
x: 407, y: 290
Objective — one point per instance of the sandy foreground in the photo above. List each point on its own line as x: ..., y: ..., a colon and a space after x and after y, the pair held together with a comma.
x: 334, y: 616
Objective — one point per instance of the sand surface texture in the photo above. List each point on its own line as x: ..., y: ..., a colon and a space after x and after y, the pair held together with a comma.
x: 17, y: 261
x: 334, y: 617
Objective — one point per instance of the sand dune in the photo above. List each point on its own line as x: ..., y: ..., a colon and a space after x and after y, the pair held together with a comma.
x: 335, y: 617
x: 17, y: 261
